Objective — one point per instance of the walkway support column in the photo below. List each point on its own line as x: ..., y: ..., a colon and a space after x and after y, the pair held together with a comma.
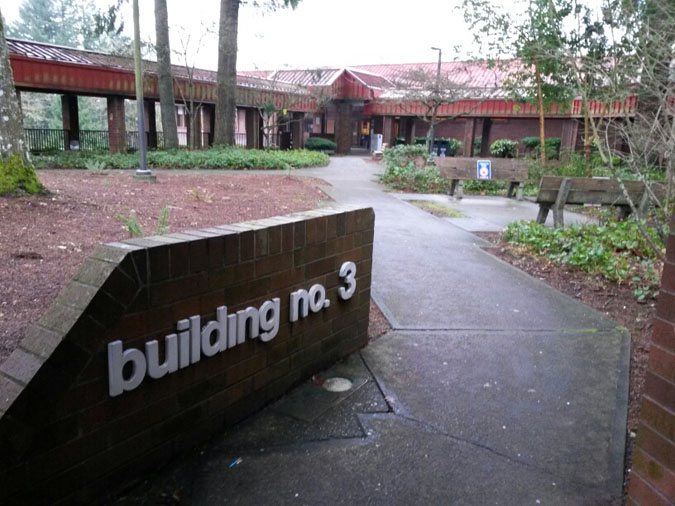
x: 150, y: 123
x: 568, y: 141
x: 71, y: 121
x: 297, y: 129
x: 409, y: 129
x: 117, y: 132
x: 485, y: 137
x: 343, y: 128
x: 252, y: 128
x: 388, y: 130
x: 208, y: 123
x: 469, y: 134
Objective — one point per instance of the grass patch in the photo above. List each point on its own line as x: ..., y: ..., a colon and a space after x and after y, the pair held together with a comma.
x: 436, y: 209
x: 215, y: 158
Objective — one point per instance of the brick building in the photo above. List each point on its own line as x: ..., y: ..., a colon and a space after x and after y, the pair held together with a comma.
x: 343, y: 104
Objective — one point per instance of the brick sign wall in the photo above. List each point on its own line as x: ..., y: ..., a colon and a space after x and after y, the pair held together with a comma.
x: 652, y: 480
x: 159, y: 342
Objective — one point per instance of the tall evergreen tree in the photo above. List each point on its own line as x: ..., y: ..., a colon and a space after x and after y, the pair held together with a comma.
x: 73, y: 23
x: 164, y: 77
x: 50, y: 21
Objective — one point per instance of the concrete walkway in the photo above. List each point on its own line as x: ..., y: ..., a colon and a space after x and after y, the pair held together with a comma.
x: 492, y: 387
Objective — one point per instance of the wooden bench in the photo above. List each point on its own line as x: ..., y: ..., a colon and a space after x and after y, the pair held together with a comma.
x: 459, y: 169
x: 555, y: 192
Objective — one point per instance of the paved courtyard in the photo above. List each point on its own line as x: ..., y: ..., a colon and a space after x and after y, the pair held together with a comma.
x: 492, y: 388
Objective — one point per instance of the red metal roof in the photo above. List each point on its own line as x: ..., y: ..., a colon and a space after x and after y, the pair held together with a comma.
x: 467, y: 74
x: 62, y: 54
x: 56, y: 68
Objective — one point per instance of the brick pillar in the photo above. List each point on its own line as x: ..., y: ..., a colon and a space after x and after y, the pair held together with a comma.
x: 343, y: 128
x: 297, y: 129
x: 485, y: 137
x: 253, y: 125
x: 212, y: 122
x: 150, y: 123
x: 388, y: 130
x: 409, y: 130
x: 71, y: 119
x: 469, y: 134
x: 568, y: 141
x: 652, y: 479
x: 117, y: 133
x: 207, y: 124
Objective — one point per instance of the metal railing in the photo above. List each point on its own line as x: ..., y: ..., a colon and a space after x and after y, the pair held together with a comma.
x: 93, y: 140
x: 40, y: 140
x: 45, y: 139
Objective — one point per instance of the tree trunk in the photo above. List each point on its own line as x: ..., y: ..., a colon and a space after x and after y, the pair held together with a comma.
x: 227, y: 72
x: 15, y: 173
x: 164, y: 78
x: 587, y: 140
x: 542, y: 132
x: 11, y: 127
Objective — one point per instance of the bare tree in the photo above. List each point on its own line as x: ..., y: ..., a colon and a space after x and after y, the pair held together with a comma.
x: 193, y: 104
x: 423, y: 93
x: 274, y: 119
x: 636, y: 129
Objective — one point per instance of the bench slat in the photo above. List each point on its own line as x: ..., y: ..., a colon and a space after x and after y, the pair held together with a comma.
x: 594, y: 191
x: 503, y: 169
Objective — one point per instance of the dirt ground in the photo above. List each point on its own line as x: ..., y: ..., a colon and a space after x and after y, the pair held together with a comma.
x: 44, y: 240
x: 616, y: 301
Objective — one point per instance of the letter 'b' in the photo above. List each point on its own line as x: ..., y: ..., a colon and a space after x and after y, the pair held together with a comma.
x: 117, y: 359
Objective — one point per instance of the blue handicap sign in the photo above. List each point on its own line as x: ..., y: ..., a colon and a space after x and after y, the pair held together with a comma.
x: 483, y: 169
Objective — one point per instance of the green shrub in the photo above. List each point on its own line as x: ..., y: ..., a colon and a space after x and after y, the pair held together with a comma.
x: 214, y: 158
x: 454, y: 146
x: 484, y: 187
x: 320, y: 144
x: 530, y: 142
x: 503, y: 148
x: 616, y: 250
x: 477, y: 144
x: 398, y: 156
x: 135, y: 229
x: 552, y: 146
x: 407, y: 177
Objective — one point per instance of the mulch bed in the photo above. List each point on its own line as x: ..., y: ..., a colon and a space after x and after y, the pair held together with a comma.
x: 616, y: 301
x: 44, y: 240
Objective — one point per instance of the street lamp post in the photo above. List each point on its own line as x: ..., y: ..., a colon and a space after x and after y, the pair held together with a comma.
x: 142, y: 172
x: 436, y: 100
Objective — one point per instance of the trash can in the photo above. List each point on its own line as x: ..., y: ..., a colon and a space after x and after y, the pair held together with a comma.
x: 376, y: 142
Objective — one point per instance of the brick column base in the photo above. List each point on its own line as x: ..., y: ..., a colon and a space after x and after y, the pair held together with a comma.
x: 343, y: 128
x: 652, y: 479
x: 252, y: 128
x: 117, y: 132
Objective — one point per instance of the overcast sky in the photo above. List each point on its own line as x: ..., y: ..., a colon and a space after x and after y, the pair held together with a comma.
x: 317, y: 33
